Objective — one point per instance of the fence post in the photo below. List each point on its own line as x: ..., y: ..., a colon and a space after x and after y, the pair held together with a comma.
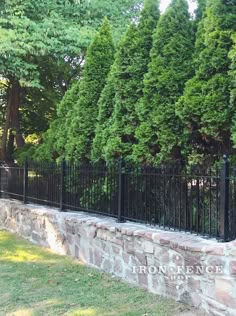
x: 121, y: 195
x: 224, y: 201
x: 25, y: 183
x: 62, y: 188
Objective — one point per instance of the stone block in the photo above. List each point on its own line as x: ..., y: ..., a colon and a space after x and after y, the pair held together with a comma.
x: 196, y: 299
x: 225, y: 292
x: 213, y: 305
x: 218, y: 250
x: 131, y: 277
x: 143, y: 280
x: 194, y: 284
x: 141, y: 259
x: 164, y: 258
x: 92, y: 232
x: 76, y: 251
x: 208, y: 288
x: 148, y: 236
x: 36, y: 237
x: 148, y: 247
x: 118, y: 268
x: 192, y: 246
x: 126, y: 258
x: 150, y: 260
x: 192, y: 260
x: 129, y: 247
x: 84, y: 253
x: 232, y: 268
x: 157, y: 284
x: 177, y: 259
x: 186, y: 298
x: 98, y: 257
x: 116, y: 250
x: 140, y: 233
x: 118, y: 241
x: 112, y: 229
x: 91, y: 257
x: 172, y: 286
x: 107, y: 266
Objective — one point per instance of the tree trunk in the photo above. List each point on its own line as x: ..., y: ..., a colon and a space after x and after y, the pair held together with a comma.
x: 10, y: 146
x: 12, y: 118
x: 6, y: 126
x: 15, y: 121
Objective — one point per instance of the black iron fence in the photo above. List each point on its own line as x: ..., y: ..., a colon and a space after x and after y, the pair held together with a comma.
x: 198, y: 200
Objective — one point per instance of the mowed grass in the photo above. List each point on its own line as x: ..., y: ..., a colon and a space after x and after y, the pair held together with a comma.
x: 33, y: 281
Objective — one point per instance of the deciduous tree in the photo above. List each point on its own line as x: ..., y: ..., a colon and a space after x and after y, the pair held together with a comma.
x: 32, y: 32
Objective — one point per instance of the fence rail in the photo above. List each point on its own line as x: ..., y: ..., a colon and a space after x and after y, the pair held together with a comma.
x: 200, y: 200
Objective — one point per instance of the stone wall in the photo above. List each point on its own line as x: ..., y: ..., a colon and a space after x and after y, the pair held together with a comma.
x: 188, y: 268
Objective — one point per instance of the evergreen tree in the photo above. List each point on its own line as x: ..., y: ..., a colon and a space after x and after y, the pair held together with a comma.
x: 233, y: 87
x: 205, y: 108
x: 122, y: 75
x: 106, y: 107
x: 55, y: 138
x: 99, y: 59
x: 126, y: 84
x: 169, y: 69
x: 198, y: 29
x: 199, y: 12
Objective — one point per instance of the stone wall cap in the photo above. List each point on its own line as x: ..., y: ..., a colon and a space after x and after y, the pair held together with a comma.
x: 172, y: 238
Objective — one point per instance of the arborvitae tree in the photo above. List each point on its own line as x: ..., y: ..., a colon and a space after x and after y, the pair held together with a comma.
x: 198, y: 26
x: 122, y: 74
x: 99, y: 59
x: 65, y: 115
x: 205, y: 109
x: 126, y: 84
x: 55, y: 138
x: 233, y: 87
x: 169, y: 69
x: 199, y: 12
x: 106, y: 107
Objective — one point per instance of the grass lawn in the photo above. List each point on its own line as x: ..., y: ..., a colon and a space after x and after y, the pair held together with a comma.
x: 33, y: 281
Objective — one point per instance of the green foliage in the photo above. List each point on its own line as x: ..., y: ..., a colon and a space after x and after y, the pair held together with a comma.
x: 32, y: 29
x: 119, y: 13
x: 169, y: 69
x: 101, y: 190
x: 117, y: 119
x: 55, y: 138
x: 199, y: 12
x: 205, y: 109
x: 105, y: 110
x: 232, y: 55
x: 160, y: 100
x: 25, y: 153
x: 42, y: 46
x: 34, y: 40
x: 125, y: 96
x: 99, y: 59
